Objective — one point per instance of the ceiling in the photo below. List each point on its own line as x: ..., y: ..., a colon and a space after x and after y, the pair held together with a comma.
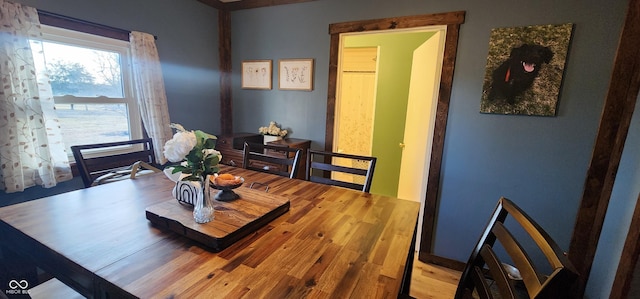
x: 246, y: 4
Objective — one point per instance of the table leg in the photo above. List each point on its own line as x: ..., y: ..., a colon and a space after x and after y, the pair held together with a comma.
x: 408, y: 268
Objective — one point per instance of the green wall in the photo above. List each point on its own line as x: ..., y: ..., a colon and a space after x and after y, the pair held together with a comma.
x: 394, y: 74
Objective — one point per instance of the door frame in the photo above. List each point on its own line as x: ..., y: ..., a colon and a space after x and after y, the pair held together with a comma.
x: 452, y: 20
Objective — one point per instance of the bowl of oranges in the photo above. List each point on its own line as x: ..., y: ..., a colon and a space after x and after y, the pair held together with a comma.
x: 226, y: 182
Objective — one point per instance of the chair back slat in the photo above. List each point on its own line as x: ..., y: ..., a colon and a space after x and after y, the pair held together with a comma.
x: 91, y: 165
x: 321, y: 167
x: 338, y: 168
x: 499, y: 275
x: 280, y: 160
x: 482, y: 287
x: 551, y: 250
x: 521, y: 259
x: 328, y: 181
x: 99, y: 164
x: 537, y: 284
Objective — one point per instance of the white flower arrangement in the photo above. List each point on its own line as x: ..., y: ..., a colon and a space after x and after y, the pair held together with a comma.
x: 273, y: 129
x: 194, y: 151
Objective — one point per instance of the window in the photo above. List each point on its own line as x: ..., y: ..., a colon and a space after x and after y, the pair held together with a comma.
x: 91, y: 82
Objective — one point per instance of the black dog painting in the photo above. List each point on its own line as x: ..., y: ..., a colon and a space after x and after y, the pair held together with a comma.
x: 524, y: 69
x: 516, y: 74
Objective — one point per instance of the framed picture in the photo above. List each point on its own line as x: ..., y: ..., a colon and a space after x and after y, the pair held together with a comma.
x: 525, y: 69
x: 257, y: 74
x: 295, y: 74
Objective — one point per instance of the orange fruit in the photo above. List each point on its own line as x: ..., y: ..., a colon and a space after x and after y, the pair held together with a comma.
x: 226, y: 176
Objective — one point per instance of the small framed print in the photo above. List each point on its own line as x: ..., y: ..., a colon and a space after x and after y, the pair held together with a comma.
x: 257, y: 74
x: 295, y: 74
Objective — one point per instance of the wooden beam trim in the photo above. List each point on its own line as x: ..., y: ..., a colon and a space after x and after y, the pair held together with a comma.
x: 450, y: 18
x: 224, y: 49
x: 437, y: 146
x: 331, y: 92
x: 614, y: 126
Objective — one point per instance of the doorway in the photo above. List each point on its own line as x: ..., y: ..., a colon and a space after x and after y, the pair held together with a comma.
x: 452, y: 22
x: 387, y: 84
x: 403, y: 115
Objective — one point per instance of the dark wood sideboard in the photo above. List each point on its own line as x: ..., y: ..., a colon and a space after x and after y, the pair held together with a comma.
x: 231, y: 147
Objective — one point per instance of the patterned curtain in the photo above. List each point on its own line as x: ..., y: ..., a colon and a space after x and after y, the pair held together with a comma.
x: 31, y: 147
x: 151, y: 96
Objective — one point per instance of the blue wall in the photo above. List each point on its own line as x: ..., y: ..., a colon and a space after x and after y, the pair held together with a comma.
x: 539, y: 162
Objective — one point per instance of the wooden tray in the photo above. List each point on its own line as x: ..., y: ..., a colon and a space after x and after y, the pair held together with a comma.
x: 232, y: 219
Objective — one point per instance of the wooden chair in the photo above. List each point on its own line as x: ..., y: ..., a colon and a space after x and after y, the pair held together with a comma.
x: 97, y: 169
x: 280, y: 160
x: 552, y: 283
x: 327, y: 169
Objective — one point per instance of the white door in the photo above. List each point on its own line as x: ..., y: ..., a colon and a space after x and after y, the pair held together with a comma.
x: 421, y: 111
x: 355, y: 107
x: 421, y: 115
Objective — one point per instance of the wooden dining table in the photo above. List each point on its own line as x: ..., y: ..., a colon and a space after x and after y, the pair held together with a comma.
x: 332, y: 243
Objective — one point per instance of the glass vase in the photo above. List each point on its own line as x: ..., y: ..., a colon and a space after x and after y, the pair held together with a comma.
x: 203, y: 207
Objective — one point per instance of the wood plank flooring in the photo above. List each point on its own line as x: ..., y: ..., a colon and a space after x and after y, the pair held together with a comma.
x: 433, y: 282
x: 427, y: 282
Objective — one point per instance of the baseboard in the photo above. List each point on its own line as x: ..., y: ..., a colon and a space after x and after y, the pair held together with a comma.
x: 441, y: 261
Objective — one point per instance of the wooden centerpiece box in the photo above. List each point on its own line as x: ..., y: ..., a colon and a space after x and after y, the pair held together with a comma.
x: 233, y: 220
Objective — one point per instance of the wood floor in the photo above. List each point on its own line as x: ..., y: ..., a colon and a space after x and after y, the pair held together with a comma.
x: 427, y: 282
x: 433, y: 282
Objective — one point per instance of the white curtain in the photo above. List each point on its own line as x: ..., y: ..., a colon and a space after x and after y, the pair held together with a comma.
x: 151, y: 96
x: 31, y: 147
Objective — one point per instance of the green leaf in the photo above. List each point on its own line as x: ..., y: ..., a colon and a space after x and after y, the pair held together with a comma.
x: 210, y: 143
x: 178, y: 168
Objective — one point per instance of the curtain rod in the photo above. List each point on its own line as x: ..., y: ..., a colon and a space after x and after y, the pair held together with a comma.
x: 57, y: 20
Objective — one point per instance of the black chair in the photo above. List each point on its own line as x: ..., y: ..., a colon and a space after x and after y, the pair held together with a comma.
x: 486, y: 274
x: 280, y: 160
x: 321, y: 168
x: 133, y: 157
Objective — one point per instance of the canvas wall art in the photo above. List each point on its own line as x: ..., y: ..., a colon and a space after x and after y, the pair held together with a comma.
x: 524, y: 70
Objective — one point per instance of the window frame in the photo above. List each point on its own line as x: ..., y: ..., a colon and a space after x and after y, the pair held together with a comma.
x: 93, y: 41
